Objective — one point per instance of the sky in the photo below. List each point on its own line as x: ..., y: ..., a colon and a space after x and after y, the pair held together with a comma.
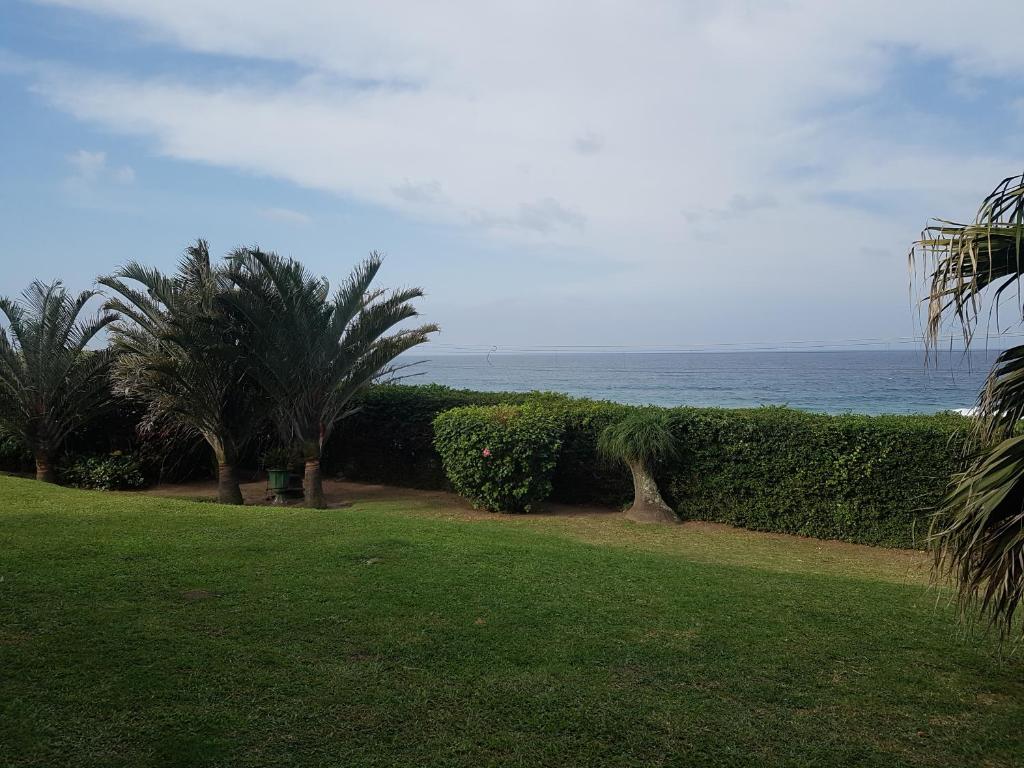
x: 553, y: 174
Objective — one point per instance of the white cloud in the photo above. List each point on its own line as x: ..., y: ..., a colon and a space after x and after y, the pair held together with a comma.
x: 88, y: 165
x: 287, y: 215
x: 93, y: 180
x: 676, y: 137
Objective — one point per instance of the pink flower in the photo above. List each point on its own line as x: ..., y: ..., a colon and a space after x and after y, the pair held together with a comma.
x: 487, y: 453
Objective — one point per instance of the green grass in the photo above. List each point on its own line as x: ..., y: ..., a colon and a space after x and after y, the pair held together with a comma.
x: 141, y: 631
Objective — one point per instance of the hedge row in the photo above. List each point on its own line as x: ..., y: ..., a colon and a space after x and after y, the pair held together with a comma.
x: 866, y: 479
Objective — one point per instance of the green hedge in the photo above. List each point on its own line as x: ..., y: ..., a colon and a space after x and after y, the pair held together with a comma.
x: 390, y: 437
x: 501, y: 457
x: 866, y: 479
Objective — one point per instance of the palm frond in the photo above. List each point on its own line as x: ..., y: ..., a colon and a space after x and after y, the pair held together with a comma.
x: 977, y: 533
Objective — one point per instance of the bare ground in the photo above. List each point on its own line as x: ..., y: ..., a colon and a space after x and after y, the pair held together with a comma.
x: 712, y: 542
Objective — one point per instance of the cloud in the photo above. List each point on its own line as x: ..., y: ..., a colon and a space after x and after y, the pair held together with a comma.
x: 286, y: 215
x: 427, y: 192
x: 673, y: 137
x: 588, y: 144
x: 88, y: 165
x: 93, y: 181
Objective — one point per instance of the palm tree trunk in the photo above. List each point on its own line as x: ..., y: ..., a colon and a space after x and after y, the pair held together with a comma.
x: 312, y: 485
x: 45, y: 471
x: 228, y: 491
x: 648, y: 506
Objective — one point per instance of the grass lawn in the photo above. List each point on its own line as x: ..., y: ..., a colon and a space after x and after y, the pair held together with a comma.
x: 142, y: 631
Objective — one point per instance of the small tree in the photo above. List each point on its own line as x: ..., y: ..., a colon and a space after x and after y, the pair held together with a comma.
x: 180, y: 353
x: 50, y: 384
x: 641, y: 440
x: 312, y: 351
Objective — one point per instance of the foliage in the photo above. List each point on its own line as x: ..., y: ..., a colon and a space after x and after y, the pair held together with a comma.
x: 14, y: 454
x: 178, y: 353
x: 114, y: 472
x: 281, y: 457
x: 866, y: 479
x: 389, y: 436
x: 978, y: 530
x: 50, y: 384
x: 150, y: 631
x: 313, y: 351
x: 644, y: 436
x: 500, y: 457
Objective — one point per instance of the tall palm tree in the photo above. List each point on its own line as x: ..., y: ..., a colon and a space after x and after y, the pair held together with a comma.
x: 50, y: 384
x: 313, y: 350
x: 978, y: 532
x: 179, y: 352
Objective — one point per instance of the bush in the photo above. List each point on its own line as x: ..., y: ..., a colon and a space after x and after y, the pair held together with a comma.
x: 114, y: 472
x: 390, y: 437
x: 865, y: 479
x: 500, y: 457
x: 14, y: 456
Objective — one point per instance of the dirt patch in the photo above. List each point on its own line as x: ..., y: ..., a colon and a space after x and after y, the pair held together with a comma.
x: 340, y: 494
x: 698, y: 540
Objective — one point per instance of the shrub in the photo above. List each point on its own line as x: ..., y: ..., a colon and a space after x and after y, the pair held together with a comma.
x: 114, y: 472
x: 500, y: 457
x: 390, y: 437
x: 865, y: 479
x: 14, y: 454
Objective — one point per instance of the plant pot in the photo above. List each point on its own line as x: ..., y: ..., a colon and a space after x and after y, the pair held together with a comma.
x: 278, y: 481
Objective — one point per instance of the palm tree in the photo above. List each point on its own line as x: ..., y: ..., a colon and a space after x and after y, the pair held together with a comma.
x: 977, y: 534
x: 180, y: 353
x: 640, y: 440
x: 311, y: 350
x: 50, y: 384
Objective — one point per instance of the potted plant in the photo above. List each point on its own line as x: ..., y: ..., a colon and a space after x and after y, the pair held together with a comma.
x: 278, y: 463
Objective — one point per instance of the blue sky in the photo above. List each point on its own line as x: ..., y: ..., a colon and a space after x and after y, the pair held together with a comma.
x: 674, y: 175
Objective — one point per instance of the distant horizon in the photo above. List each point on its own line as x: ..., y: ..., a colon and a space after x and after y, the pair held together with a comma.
x: 511, y: 351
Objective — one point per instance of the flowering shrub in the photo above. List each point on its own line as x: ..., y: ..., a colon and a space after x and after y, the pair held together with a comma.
x: 114, y: 472
x: 499, y: 457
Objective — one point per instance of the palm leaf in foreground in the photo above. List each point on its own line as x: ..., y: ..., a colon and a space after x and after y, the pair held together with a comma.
x: 977, y: 534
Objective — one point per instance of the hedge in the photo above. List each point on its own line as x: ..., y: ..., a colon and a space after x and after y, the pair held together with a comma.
x: 501, y: 457
x: 865, y: 479
x: 390, y: 436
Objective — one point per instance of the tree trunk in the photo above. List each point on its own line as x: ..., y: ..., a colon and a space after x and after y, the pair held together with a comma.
x: 45, y: 471
x: 648, y: 506
x: 228, y: 491
x: 312, y: 486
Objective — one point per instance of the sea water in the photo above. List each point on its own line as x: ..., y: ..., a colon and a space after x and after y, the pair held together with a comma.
x: 869, y: 382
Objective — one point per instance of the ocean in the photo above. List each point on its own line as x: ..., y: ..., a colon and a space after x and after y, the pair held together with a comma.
x: 870, y: 382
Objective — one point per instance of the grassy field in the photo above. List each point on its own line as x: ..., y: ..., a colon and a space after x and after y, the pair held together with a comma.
x: 141, y: 631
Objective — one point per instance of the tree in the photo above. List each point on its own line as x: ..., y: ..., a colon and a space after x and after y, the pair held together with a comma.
x: 977, y: 534
x: 312, y: 351
x: 179, y: 352
x: 50, y: 384
x: 641, y: 440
